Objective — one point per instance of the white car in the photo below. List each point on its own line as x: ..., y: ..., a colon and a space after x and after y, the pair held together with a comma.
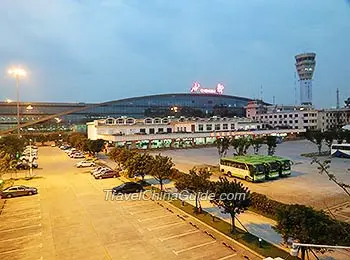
x: 101, y: 171
x: 27, y: 157
x: 78, y: 156
x: 85, y: 164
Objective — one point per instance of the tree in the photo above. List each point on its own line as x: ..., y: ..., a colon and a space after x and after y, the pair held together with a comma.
x: 161, y: 169
x: 11, y: 145
x: 324, y: 167
x: 347, y: 136
x: 232, y: 197
x: 271, y: 142
x: 41, y: 138
x: 257, y: 143
x: 340, y: 135
x: 195, y: 182
x: 240, y: 145
x: 121, y: 155
x: 95, y: 146
x: 222, y: 144
x: 6, y: 163
x: 315, y: 137
x: 306, y: 225
x: 139, y: 165
x: 329, y: 137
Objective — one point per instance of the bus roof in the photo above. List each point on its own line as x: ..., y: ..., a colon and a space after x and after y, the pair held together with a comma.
x: 255, y: 159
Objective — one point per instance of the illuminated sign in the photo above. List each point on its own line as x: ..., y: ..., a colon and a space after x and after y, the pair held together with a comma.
x: 196, y: 88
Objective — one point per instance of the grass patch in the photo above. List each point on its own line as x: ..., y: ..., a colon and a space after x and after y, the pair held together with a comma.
x: 243, y: 237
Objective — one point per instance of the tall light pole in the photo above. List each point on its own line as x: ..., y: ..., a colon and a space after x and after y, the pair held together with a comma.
x: 17, y: 73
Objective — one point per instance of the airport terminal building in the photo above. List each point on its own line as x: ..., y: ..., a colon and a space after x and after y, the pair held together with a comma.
x: 202, y: 105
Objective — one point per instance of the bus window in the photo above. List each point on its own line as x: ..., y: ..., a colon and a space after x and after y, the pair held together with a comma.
x: 252, y: 170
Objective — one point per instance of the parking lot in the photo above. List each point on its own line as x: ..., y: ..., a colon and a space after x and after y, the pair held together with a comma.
x: 295, y: 188
x: 70, y: 219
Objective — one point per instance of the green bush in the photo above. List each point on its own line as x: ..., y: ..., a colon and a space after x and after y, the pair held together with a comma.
x: 264, y: 206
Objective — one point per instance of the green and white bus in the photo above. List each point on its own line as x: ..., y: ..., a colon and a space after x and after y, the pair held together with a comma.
x: 240, y: 167
x: 279, y: 166
x: 285, y: 166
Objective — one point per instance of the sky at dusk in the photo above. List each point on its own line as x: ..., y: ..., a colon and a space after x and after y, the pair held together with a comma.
x: 100, y: 50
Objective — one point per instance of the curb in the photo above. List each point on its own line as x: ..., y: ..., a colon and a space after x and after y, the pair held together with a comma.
x: 217, y: 231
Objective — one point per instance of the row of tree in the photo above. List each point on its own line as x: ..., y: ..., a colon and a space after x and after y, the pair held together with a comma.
x: 317, y: 137
x: 142, y: 164
x: 242, y: 144
x: 82, y: 143
x: 10, y: 146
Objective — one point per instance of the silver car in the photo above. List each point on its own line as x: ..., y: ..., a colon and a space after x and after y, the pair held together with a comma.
x: 16, y: 191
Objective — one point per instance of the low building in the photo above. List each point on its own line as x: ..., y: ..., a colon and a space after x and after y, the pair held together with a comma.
x: 297, y: 117
x: 172, y: 132
x: 283, y: 117
x: 333, y: 118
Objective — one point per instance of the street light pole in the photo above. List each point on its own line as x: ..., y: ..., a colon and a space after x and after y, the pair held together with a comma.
x: 18, y: 116
x: 17, y: 73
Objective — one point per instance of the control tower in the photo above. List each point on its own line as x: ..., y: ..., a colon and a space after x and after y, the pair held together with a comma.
x: 305, y: 65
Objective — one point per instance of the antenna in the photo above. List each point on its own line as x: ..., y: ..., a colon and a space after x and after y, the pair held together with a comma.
x: 261, y: 92
x: 338, y: 104
x: 295, y: 89
x: 273, y: 100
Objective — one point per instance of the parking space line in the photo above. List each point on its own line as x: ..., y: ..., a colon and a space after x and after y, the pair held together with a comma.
x: 21, y: 214
x: 227, y: 257
x: 17, y: 238
x: 165, y: 226
x: 19, y: 209
x: 20, y: 228
x: 146, y: 211
x: 193, y: 247
x: 179, y: 235
x: 20, y: 249
x: 23, y: 219
x: 146, y: 219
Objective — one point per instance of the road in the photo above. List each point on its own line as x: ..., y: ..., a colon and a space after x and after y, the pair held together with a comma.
x: 70, y: 219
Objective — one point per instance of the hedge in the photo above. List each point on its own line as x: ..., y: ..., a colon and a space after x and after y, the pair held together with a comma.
x: 262, y: 205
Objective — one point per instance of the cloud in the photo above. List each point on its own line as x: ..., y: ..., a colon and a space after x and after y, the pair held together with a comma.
x: 96, y: 50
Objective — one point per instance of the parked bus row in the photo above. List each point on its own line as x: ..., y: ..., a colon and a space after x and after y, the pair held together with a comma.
x: 255, y: 168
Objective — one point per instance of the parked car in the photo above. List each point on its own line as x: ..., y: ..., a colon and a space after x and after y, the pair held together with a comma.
x: 101, y: 171
x: 27, y: 157
x: 85, y: 164
x: 71, y: 154
x: 127, y: 187
x: 107, y: 174
x: 98, y: 168
x: 69, y: 150
x: 78, y: 155
x: 15, y: 191
x: 24, y: 165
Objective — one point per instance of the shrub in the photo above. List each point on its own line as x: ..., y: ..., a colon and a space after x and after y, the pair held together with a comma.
x: 265, y: 206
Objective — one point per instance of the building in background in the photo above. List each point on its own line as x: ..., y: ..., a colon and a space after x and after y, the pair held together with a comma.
x: 297, y: 117
x: 305, y: 66
x: 169, y: 132
x: 186, y: 104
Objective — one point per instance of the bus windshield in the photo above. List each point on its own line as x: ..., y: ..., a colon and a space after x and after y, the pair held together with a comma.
x: 286, y: 165
x: 256, y: 169
x: 274, y: 166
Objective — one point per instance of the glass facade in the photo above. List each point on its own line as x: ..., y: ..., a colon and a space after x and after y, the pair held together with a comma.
x: 188, y: 104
